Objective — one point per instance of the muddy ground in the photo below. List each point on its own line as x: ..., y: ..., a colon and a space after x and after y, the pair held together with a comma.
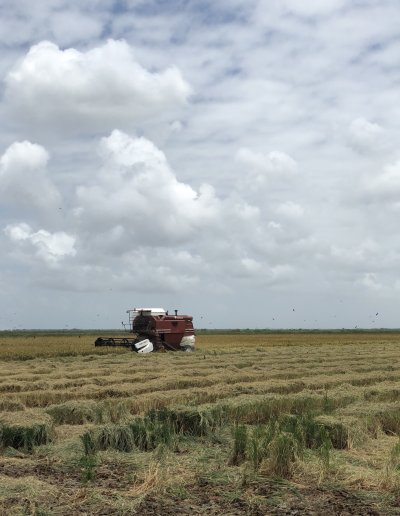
x: 264, y: 496
x: 268, y: 499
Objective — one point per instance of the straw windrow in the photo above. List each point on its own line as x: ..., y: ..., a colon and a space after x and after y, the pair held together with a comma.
x: 25, y: 430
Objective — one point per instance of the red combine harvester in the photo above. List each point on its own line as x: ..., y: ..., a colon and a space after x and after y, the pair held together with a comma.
x: 154, y: 329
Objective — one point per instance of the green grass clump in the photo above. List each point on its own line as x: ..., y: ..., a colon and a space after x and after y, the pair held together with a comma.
x: 389, y: 419
x: 25, y: 430
x: 306, y: 429
x: 341, y: 435
x: 187, y: 420
x: 279, y: 443
x: 239, y: 445
x: 269, y: 445
x: 144, y: 434
x: 88, y: 464
x: 88, y: 442
x: 282, y: 441
x: 283, y: 451
x: 149, y: 433
x: 117, y: 437
x: 258, y: 442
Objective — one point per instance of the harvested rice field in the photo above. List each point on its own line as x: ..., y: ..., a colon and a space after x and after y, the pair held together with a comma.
x: 248, y: 424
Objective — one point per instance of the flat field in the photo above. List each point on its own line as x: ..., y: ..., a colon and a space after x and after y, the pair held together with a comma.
x: 248, y: 424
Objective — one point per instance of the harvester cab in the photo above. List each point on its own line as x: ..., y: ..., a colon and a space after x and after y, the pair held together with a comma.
x: 153, y: 329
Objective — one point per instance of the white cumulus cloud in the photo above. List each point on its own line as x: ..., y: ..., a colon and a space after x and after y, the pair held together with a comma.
x: 386, y: 186
x: 365, y: 136
x: 262, y: 170
x: 24, y: 181
x: 50, y: 247
x: 93, y: 90
x: 136, y: 189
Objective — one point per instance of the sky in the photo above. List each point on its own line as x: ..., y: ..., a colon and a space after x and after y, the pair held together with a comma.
x: 236, y: 160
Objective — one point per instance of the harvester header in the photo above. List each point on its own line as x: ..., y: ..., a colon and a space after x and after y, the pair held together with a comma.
x: 153, y: 329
